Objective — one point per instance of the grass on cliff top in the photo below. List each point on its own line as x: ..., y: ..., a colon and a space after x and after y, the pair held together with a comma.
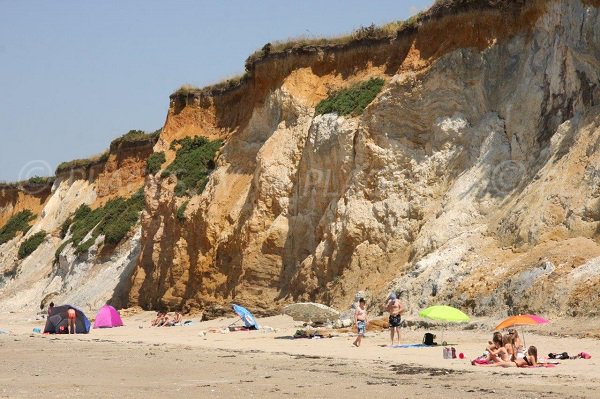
x: 224, y: 85
x: 41, y: 180
x: 113, y: 220
x: 193, y: 163
x: 133, y: 136
x: 352, y: 100
x: 371, y: 32
x: 129, y: 137
x: 18, y: 222
x: 31, y: 244
x: 32, y: 181
x: 83, y: 163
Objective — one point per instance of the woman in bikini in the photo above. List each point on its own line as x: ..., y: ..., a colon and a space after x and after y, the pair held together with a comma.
x: 517, y: 344
x: 528, y: 361
x: 497, y: 351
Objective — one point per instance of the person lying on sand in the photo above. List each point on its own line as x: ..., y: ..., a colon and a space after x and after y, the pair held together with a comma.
x: 530, y: 360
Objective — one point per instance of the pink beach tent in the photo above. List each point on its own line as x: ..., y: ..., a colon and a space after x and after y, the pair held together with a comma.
x: 107, y: 317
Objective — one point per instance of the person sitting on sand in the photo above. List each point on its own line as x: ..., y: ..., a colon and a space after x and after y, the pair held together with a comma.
x: 160, y: 319
x: 508, y: 348
x: 494, y: 351
x: 530, y: 360
x: 176, y: 320
x: 496, y: 339
x: 50, y: 308
x: 517, y: 344
x: 361, y: 320
x: 504, y: 350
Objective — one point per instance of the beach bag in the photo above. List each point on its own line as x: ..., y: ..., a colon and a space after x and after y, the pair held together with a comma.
x: 428, y: 339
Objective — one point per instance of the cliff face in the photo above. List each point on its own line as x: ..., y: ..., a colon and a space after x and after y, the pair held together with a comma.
x: 54, y: 271
x: 470, y: 180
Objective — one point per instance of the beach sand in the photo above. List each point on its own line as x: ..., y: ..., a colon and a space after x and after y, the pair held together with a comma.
x: 139, y: 361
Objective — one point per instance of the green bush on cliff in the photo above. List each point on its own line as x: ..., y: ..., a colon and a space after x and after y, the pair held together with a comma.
x: 154, y: 162
x: 135, y: 135
x: 113, y: 220
x: 18, y: 222
x: 31, y: 244
x: 181, y: 211
x: 352, y: 100
x: 60, y: 249
x: 40, y: 180
x: 193, y: 163
x: 64, y: 229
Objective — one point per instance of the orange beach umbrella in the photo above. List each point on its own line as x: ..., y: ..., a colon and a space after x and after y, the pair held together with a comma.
x: 521, y: 320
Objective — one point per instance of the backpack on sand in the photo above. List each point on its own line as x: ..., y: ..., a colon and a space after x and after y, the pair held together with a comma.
x: 428, y: 339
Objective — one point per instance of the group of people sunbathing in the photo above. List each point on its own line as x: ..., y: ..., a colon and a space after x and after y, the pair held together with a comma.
x: 507, y: 351
x: 164, y: 320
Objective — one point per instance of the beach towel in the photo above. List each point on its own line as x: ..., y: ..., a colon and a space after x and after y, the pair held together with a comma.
x: 410, y: 346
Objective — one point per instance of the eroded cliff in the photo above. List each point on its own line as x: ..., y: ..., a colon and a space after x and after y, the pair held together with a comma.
x: 471, y: 179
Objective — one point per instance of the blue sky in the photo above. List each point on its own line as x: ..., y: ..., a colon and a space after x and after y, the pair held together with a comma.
x: 76, y: 74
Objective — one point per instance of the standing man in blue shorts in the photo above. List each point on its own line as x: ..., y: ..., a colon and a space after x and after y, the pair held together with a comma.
x: 395, y: 309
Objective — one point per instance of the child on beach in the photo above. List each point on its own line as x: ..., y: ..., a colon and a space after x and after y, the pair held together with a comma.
x: 361, y: 320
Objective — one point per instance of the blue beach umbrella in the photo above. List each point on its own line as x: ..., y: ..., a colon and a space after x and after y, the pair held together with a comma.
x: 247, y: 317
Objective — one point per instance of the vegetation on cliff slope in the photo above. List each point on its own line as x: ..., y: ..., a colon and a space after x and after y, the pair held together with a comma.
x: 18, y: 222
x: 181, y: 211
x: 193, y: 163
x: 154, y: 162
x: 352, y: 100
x: 113, y: 220
x: 31, y: 244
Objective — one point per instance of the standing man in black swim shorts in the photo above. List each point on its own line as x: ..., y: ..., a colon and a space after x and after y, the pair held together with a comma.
x: 395, y: 308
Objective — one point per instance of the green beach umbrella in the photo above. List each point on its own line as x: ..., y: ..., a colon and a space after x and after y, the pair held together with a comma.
x: 444, y: 313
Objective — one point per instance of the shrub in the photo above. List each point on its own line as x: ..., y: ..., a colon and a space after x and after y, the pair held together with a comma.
x: 18, y: 222
x: 185, y: 90
x: 103, y: 157
x: 134, y: 136
x: 181, y: 211
x: 154, y: 162
x: 193, y: 163
x: 60, y: 249
x: 74, y: 164
x: 40, y: 180
x: 64, y: 229
x: 31, y: 244
x: 114, y: 220
x: 352, y: 100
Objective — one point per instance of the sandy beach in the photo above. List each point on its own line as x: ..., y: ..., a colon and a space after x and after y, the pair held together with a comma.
x: 137, y: 360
